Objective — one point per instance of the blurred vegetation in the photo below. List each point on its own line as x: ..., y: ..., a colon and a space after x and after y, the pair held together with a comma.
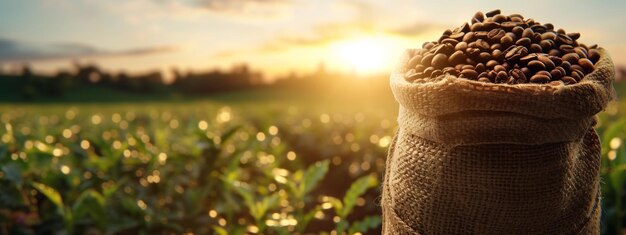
x: 266, y: 161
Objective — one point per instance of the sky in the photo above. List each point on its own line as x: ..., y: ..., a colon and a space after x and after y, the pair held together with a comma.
x: 277, y: 37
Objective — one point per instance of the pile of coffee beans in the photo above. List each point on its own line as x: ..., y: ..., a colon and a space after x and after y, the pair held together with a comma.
x: 496, y: 48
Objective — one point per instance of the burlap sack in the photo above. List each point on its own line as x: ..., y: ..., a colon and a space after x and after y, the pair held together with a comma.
x: 478, y: 158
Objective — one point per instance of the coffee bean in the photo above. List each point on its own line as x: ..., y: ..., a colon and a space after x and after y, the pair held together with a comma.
x: 499, y: 68
x: 594, y: 55
x: 582, y: 53
x: 495, y: 34
x: 436, y: 73
x: 426, y: 60
x: 536, y: 65
x: 440, y: 61
x: 457, y: 57
x: 484, y: 79
x: 528, y: 32
x: 506, y: 40
x: 502, y: 77
x: 546, y: 61
x: 504, y: 49
x: 577, y: 74
x: 420, y: 68
x: 546, y: 45
x: 516, y: 53
x: 499, y: 18
x: 548, y: 36
x: 568, y: 80
x: 480, y: 67
x: 497, y: 55
x: 428, y: 71
x: 586, y: 64
x: 566, y: 48
x: 554, y: 52
x: 556, y: 74
x: 539, y: 78
x: 574, y: 36
x: 490, y: 64
x: 479, y: 16
x: 493, y: 13
x: 535, y: 48
x: 457, y: 36
x: 572, y: 58
x: 523, y: 42
x: 469, y: 73
x: 469, y: 37
x: 414, y: 61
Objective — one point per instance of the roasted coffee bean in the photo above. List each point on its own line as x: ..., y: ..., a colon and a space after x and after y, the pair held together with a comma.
x: 594, y: 55
x: 469, y: 37
x: 577, y: 74
x: 414, y: 61
x: 461, y: 46
x: 566, y: 48
x: 420, y: 68
x: 572, y: 58
x: 535, y: 48
x: 502, y: 77
x: 539, y: 78
x: 506, y: 40
x: 536, y: 65
x: 492, y: 13
x: 528, y: 58
x: 457, y: 57
x: 495, y: 34
x: 516, y: 53
x: 554, y: 52
x: 428, y: 71
x: 497, y: 48
x: 436, y: 73
x: 484, y: 79
x: 586, y: 64
x: 492, y: 63
x: 556, y: 74
x: 546, y: 61
x: 469, y: 73
x: 443, y: 49
x: 523, y: 42
x: 499, y: 68
x: 548, y: 36
x: 467, y: 66
x: 568, y: 80
x: 499, y: 18
x: 480, y: 67
x: 479, y: 16
x: 582, y: 53
x: 426, y: 60
x: 497, y: 55
x: 527, y: 33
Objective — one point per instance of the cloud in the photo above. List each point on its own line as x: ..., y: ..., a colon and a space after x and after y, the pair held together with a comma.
x: 13, y: 50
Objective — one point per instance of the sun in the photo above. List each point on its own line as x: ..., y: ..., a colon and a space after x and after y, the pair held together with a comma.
x: 366, y: 55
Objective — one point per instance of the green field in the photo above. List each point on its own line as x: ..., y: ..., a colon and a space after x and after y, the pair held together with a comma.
x: 263, y: 162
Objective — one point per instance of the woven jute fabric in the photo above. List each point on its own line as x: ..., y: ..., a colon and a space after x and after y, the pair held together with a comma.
x: 481, y: 158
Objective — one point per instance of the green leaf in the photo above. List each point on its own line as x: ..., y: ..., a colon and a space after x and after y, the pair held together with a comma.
x: 369, y: 222
x: 91, y: 203
x: 220, y: 230
x: 357, y: 189
x: 51, y: 194
x: 312, y: 176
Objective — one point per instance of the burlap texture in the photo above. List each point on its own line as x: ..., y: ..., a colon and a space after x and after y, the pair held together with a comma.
x: 480, y: 158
